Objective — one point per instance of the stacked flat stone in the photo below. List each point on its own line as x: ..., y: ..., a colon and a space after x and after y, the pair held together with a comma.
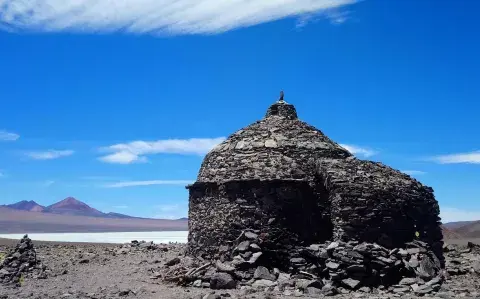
x: 280, y: 146
x: 326, y: 269
x: 269, y: 208
x: 22, y: 260
x: 375, y: 203
x: 273, y: 188
x: 292, y: 186
x: 254, y: 179
x: 462, y: 260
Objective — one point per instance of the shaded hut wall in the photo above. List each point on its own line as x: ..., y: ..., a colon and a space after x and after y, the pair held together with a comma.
x: 374, y: 203
x: 284, y: 214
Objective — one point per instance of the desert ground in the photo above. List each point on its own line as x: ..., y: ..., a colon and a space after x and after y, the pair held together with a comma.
x: 85, y: 270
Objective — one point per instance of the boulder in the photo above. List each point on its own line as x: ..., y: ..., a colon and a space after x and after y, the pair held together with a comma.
x: 222, y: 281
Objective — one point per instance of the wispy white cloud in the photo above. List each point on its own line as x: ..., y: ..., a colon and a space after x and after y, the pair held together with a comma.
x: 135, y: 152
x: 2, y: 174
x: 358, y: 150
x: 5, y: 135
x: 146, y: 183
x: 413, y: 172
x: 449, y: 214
x: 338, y: 17
x: 99, y: 178
x: 123, y: 157
x: 49, y: 155
x: 335, y: 16
x: 304, y: 20
x: 48, y: 183
x: 152, y: 16
x: 461, y: 158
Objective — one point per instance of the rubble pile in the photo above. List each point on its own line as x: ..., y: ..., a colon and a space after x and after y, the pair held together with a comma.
x: 462, y: 260
x: 140, y: 246
x: 20, y: 262
x: 329, y: 268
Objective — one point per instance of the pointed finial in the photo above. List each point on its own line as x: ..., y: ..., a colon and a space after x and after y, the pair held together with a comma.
x: 281, y: 99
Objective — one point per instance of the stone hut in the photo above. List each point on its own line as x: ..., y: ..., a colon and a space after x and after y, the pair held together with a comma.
x: 286, y: 182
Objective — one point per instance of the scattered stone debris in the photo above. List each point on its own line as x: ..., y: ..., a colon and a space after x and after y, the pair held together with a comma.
x: 143, y: 273
x: 140, y: 246
x: 20, y: 262
x: 319, y: 269
x: 461, y: 260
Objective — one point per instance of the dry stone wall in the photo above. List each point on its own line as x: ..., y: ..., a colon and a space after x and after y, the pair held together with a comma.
x: 288, y: 183
x: 375, y: 203
x: 284, y: 214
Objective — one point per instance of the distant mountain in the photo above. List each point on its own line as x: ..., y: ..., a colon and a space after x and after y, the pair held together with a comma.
x: 118, y: 215
x: 450, y: 233
x: 470, y: 230
x: 26, y: 206
x: 68, y: 206
x: 72, y: 215
x: 14, y: 221
x: 183, y: 219
x: 456, y: 224
x: 72, y: 206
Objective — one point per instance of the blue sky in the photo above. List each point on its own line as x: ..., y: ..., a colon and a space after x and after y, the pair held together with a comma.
x: 117, y: 103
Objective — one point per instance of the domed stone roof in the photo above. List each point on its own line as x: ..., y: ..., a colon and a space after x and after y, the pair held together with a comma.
x: 279, y: 146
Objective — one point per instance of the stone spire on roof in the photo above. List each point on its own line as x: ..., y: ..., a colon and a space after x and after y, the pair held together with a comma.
x: 281, y: 99
x: 282, y: 109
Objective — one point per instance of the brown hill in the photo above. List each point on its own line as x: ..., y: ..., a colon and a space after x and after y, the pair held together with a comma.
x: 456, y: 224
x: 470, y: 230
x: 450, y: 234
x: 17, y: 221
x: 72, y: 206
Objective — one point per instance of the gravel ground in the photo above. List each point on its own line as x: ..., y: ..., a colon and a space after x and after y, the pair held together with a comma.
x: 109, y: 271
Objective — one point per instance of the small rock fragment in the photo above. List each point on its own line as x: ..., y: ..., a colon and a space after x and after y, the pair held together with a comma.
x: 263, y: 273
x: 173, y: 262
x: 350, y: 283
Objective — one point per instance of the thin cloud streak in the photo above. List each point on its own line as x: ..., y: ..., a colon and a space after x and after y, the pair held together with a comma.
x: 48, y: 183
x: 123, y: 157
x: 175, y: 17
x: 147, y: 183
x: 135, y: 152
x: 5, y: 135
x: 461, y: 158
x: 338, y: 17
x: 357, y: 150
x: 100, y: 178
x: 49, y: 155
